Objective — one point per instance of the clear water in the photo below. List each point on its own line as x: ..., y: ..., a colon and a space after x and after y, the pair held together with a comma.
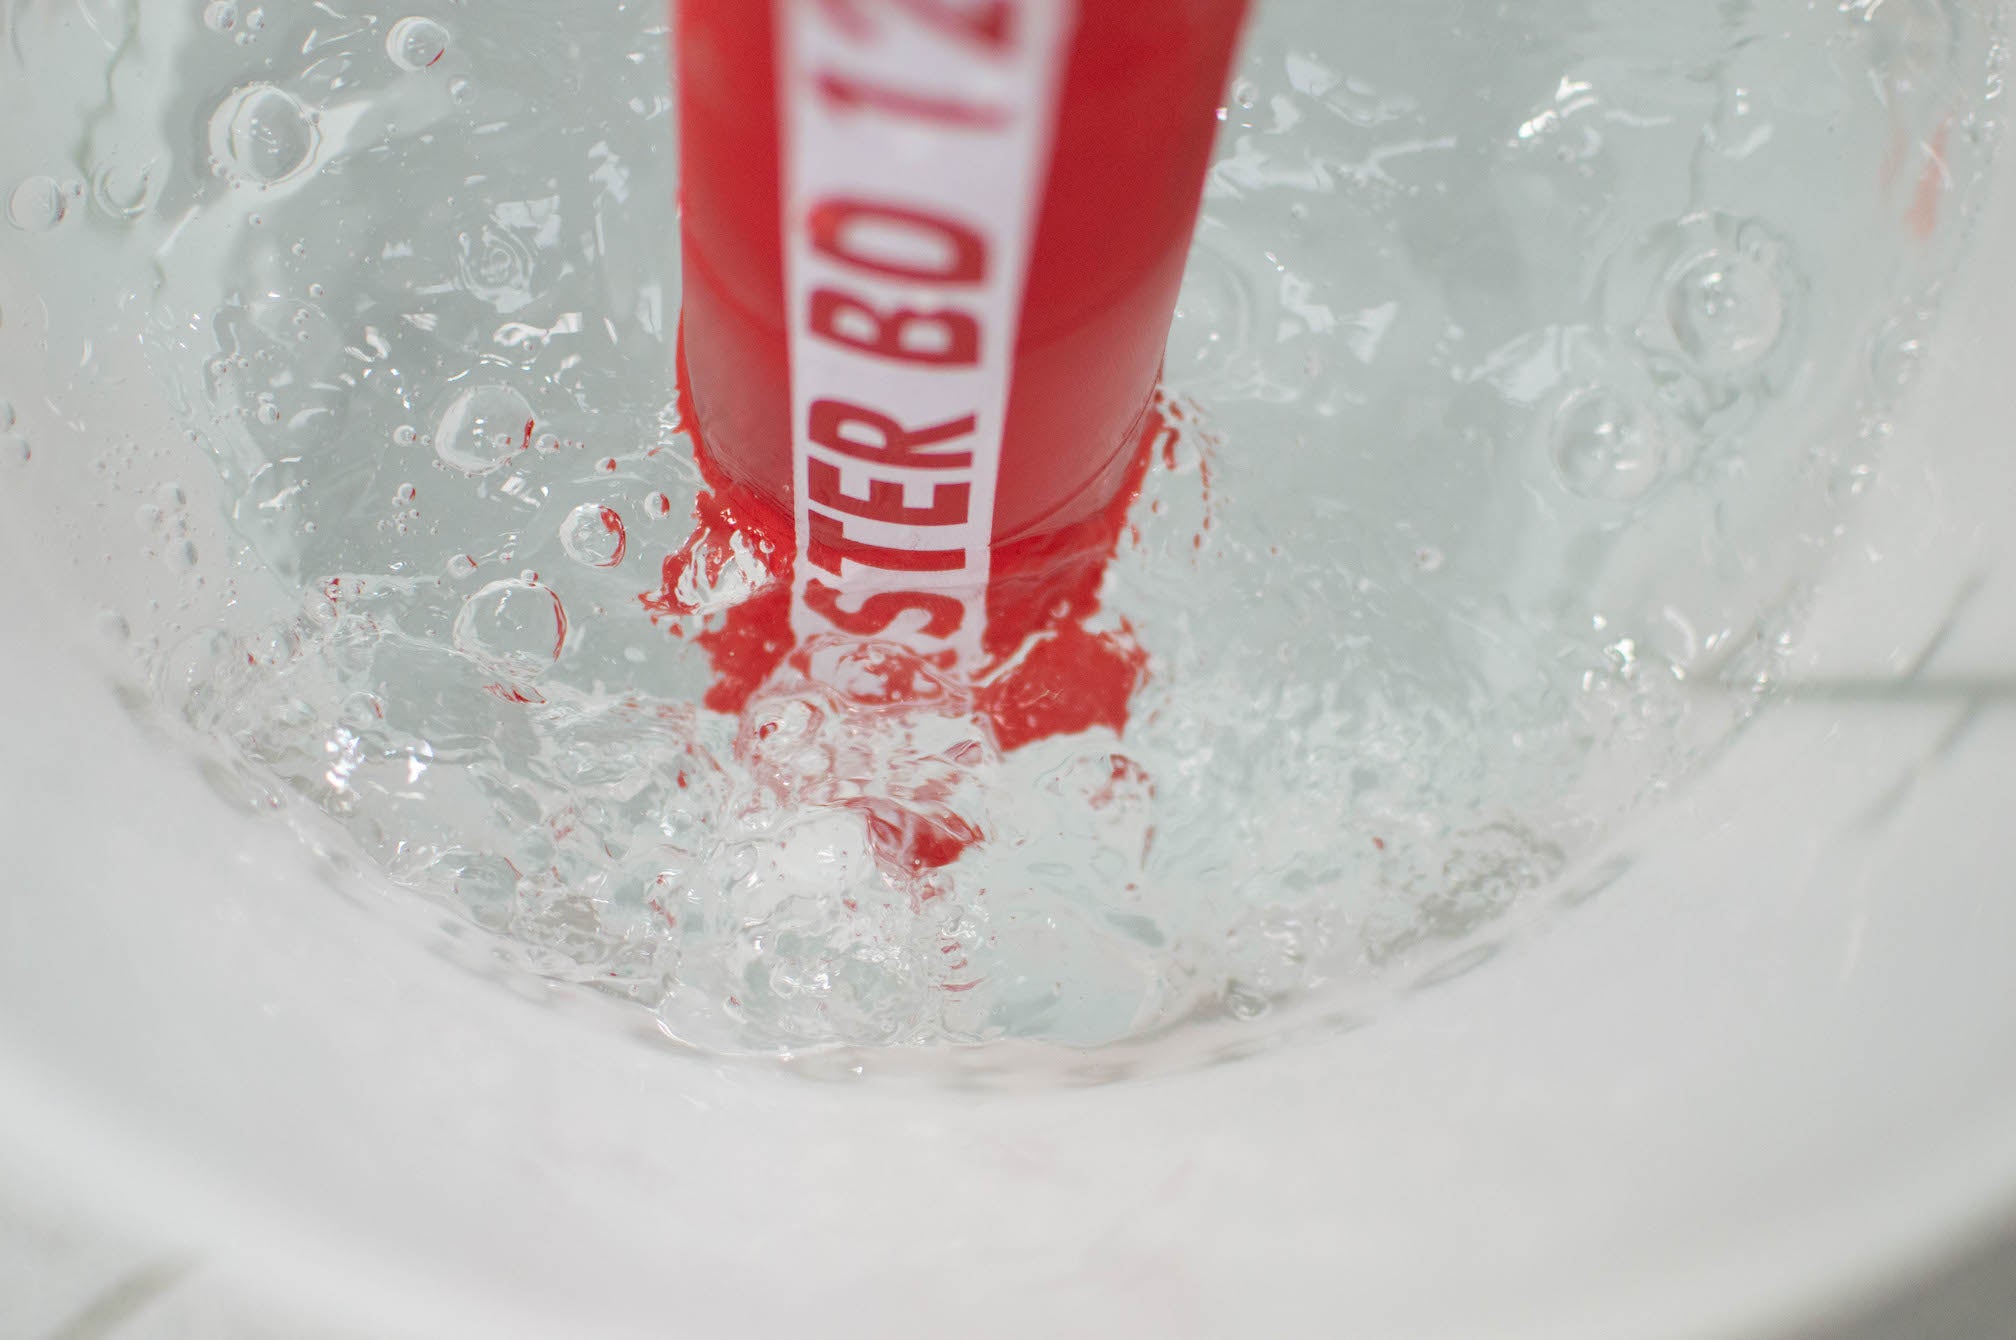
x: 1530, y: 360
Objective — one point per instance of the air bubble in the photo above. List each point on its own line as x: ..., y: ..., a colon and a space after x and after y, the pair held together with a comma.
x: 486, y: 884
x: 37, y: 205
x: 593, y: 535
x: 123, y: 190
x: 1727, y: 310
x: 220, y: 16
x: 405, y: 435
x: 658, y: 505
x: 1244, y: 1003
x: 496, y: 266
x: 518, y: 627
x: 416, y: 44
x: 1606, y: 448
x: 1896, y: 360
x: 482, y: 428
x: 263, y: 135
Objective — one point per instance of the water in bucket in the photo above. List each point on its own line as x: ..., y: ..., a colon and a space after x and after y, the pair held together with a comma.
x: 1528, y: 365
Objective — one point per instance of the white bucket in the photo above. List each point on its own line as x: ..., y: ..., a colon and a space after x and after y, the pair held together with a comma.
x: 1760, y: 1080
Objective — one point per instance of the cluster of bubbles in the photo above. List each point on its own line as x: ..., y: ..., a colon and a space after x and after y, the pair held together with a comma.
x: 1490, y: 314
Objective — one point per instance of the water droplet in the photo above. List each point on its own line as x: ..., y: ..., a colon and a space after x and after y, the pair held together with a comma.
x: 517, y: 626
x: 547, y: 442
x: 594, y: 535
x: 462, y: 91
x: 263, y: 134
x: 1429, y: 559
x: 220, y: 16
x: 267, y: 411
x: 37, y: 205
x: 482, y: 427
x: 1607, y: 448
x: 405, y: 493
x: 461, y: 565
x: 416, y: 43
x: 6, y: 415
x: 1727, y: 309
x: 658, y: 505
x: 14, y: 449
x: 405, y: 435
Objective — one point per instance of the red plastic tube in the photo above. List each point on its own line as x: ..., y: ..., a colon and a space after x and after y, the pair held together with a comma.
x: 932, y: 251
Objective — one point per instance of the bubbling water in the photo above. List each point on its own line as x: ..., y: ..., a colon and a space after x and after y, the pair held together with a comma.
x: 1492, y: 313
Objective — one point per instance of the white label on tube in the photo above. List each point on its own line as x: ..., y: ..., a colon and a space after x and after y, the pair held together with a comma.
x: 917, y: 144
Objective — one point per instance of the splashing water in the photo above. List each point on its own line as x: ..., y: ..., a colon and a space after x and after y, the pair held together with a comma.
x: 1526, y: 364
